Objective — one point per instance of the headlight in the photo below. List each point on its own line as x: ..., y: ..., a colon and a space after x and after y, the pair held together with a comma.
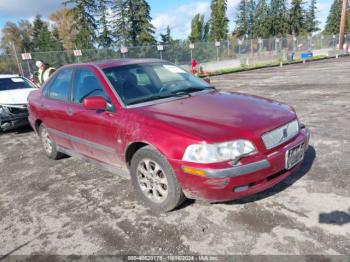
x: 3, y: 110
x: 212, y: 153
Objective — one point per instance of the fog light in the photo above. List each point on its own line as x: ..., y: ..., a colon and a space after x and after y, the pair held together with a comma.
x: 240, y: 189
x: 193, y: 171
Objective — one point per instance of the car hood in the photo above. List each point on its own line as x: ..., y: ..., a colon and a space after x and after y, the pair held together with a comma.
x: 15, y: 96
x: 221, y: 116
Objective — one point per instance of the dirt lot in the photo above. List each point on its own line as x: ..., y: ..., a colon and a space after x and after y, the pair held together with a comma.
x: 71, y: 207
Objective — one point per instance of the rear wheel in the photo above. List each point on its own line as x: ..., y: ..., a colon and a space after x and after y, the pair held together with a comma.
x: 154, y: 180
x: 48, y: 144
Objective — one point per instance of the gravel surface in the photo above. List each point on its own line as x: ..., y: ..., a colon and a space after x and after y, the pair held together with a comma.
x: 71, y: 207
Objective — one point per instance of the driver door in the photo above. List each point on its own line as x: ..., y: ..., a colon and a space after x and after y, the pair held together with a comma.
x: 94, y: 133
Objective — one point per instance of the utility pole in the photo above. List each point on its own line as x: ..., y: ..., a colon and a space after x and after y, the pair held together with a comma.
x: 343, y: 23
x: 20, y: 69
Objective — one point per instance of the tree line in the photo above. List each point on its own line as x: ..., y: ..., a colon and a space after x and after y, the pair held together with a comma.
x: 88, y: 24
x: 264, y: 19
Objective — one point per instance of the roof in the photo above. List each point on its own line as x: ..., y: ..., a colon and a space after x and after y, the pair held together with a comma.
x: 103, y: 64
x: 121, y: 62
x: 8, y: 76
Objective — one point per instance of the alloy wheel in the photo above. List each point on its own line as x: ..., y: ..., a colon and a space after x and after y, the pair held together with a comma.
x: 152, y: 180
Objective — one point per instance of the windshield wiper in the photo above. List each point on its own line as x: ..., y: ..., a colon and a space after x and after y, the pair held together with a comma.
x: 176, y: 93
x: 150, y: 98
x: 191, y: 90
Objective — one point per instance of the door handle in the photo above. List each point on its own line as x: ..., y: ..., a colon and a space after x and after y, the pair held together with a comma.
x: 69, y: 111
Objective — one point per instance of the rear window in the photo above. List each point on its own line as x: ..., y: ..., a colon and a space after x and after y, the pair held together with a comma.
x: 14, y: 83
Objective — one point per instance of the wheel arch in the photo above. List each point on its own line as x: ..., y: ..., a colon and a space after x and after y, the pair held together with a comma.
x: 37, y: 125
x: 132, y: 148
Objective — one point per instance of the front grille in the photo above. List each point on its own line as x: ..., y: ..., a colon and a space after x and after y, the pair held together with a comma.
x: 280, y: 135
x: 16, y: 110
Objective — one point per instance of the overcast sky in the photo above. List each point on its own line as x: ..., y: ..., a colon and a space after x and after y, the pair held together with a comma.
x: 175, y: 13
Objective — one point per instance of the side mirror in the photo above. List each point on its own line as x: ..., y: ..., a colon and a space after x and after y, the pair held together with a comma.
x: 207, y: 79
x: 95, y: 103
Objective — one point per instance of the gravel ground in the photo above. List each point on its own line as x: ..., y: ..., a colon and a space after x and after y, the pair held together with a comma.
x: 71, y: 207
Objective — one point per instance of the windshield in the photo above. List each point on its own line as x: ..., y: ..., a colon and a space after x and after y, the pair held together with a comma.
x: 14, y: 83
x: 147, y: 82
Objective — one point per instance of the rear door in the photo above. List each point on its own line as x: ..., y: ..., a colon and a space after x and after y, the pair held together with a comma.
x: 94, y: 133
x: 54, y: 104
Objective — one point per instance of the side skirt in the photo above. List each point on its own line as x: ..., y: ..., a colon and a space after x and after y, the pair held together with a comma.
x: 122, y: 171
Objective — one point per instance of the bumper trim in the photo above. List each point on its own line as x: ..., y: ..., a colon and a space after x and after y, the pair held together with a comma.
x: 238, y: 170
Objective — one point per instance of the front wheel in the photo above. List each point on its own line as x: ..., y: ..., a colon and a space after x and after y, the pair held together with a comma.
x: 154, y: 180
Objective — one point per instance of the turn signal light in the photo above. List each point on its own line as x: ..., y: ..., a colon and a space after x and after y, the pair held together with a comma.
x: 193, y: 171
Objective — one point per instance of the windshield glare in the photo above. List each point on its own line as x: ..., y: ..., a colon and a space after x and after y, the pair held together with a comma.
x: 146, y: 82
x: 14, y: 83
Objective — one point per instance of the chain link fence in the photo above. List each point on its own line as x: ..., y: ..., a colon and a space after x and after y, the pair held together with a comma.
x: 212, y: 56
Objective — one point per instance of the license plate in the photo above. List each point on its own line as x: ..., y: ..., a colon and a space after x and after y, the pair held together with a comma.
x: 294, y: 156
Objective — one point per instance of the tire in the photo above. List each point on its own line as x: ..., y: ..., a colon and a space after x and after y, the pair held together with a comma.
x: 158, y: 188
x: 48, y: 144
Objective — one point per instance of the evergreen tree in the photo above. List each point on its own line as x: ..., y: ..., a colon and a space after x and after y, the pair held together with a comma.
x: 85, y: 26
x: 296, y: 17
x: 218, y: 20
x: 38, y: 24
x: 56, y: 40
x: 279, y: 18
x: 311, y: 23
x: 166, y: 38
x: 246, y: 18
x: 105, y: 36
x: 121, y: 22
x: 334, y: 17
x: 261, y: 26
x: 251, y: 9
x: 141, y: 29
x: 171, y: 50
x: 242, y: 19
x: 199, y: 29
x: 43, y: 40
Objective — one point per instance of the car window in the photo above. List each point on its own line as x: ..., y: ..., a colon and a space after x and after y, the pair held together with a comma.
x: 142, y: 77
x: 151, y: 81
x: 12, y: 83
x: 165, y: 75
x: 60, y: 85
x: 86, y: 84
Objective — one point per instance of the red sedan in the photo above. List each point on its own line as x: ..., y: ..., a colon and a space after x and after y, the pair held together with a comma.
x: 173, y: 134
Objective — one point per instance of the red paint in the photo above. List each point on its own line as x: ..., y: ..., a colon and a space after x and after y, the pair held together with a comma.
x: 95, y: 103
x: 172, y: 126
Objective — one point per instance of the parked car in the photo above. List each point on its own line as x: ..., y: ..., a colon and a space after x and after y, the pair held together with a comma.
x: 173, y: 134
x: 14, y: 91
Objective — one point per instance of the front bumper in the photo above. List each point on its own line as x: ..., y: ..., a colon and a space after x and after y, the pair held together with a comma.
x: 223, y: 184
x: 12, y: 121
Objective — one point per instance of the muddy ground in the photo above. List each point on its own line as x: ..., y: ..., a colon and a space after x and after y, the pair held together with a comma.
x: 71, y: 207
